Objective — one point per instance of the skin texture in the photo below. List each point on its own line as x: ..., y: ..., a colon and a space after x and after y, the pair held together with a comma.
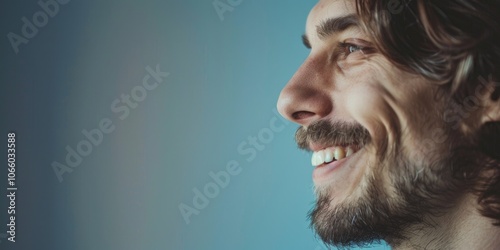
x: 397, y: 187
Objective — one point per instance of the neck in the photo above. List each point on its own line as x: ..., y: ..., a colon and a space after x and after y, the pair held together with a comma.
x: 463, y: 227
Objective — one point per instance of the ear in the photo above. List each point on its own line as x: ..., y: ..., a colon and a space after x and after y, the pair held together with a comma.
x: 488, y: 135
x: 491, y: 102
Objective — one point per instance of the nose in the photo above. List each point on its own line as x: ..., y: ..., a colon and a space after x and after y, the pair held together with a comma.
x: 306, y: 97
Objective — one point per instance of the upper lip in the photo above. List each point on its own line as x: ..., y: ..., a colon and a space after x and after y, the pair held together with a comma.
x: 317, y: 146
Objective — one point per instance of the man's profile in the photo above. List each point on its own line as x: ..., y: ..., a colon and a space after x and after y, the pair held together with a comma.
x: 399, y: 103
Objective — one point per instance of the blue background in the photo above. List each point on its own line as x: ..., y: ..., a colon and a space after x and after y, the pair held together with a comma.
x: 225, y: 78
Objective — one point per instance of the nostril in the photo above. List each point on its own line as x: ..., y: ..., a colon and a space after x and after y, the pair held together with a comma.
x: 299, y: 115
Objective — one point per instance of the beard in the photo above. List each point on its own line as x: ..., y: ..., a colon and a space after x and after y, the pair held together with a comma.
x: 401, y: 191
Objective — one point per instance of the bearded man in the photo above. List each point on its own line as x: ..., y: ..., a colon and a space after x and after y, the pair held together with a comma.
x: 399, y: 103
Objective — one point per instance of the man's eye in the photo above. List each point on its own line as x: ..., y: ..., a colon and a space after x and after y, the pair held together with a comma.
x: 349, y: 54
x: 352, y: 52
x: 353, y: 48
x: 349, y: 48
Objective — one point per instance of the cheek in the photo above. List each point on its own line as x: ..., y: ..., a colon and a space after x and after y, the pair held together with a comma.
x: 367, y: 106
x: 366, y: 98
x: 364, y: 103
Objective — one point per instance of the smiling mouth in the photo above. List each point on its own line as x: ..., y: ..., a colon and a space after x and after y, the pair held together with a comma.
x: 332, y: 154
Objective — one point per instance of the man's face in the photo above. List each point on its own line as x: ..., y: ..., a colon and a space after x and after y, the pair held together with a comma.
x: 384, y: 126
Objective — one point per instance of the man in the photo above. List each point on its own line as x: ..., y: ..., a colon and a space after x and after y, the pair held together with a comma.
x: 399, y: 101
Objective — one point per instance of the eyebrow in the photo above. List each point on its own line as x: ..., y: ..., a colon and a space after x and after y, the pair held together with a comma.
x: 331, y: 26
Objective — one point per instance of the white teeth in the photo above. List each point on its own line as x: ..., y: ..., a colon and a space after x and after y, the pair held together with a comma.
x: 317, y: 158
x: 349, y: 152
x: 321, y: 156
x: 315, y: 161
x: 339, y: 153
x: 329, y: 154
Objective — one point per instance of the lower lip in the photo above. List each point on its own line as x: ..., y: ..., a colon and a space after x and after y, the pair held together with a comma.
x: 324, y: 170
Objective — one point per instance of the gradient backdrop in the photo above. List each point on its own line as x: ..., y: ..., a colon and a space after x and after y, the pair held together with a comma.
x: 216, y: 107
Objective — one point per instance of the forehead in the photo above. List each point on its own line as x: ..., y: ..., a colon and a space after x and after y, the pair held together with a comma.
x: 325, y: 9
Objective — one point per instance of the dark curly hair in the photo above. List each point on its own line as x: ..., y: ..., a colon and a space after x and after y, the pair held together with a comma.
x: 455, y: 44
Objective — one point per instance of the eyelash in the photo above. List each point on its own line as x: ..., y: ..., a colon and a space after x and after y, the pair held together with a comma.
x: 344, y: 49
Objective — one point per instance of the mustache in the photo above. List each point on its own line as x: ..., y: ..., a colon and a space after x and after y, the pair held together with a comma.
x: 327, y: 133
